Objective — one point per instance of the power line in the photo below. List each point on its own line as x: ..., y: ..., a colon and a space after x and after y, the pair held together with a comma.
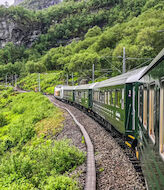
x: 113, y: 66
x: 141, y: 64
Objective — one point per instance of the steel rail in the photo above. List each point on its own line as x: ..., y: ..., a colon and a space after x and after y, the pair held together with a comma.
x: 91, y: 169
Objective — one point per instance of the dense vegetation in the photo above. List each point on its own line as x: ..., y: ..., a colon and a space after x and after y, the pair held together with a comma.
x: 47, y: 82
x: 77, y: 34
x: 29, y: 158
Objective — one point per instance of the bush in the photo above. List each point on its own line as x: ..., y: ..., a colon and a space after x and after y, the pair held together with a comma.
x: 61, y: 183
x: 39, y: 160
x: 3, y: 120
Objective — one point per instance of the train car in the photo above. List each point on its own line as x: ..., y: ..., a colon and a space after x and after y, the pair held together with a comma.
x: 69, y: 93
x: 116, y: 101
x: 83, y: 95
x: 151, y: 122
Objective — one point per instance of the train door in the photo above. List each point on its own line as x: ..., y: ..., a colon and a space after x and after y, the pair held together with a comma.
x: 129, y: 108
x: 133, y: 109
x: 90, y: 95
x: 157, y: 116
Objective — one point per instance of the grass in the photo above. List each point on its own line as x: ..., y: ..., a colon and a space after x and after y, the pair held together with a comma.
x: 30, y: 158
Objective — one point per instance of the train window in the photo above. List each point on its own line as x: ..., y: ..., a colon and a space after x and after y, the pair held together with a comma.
x: 151, y: 113
x: 145, y: 108
x: 98, y: 96
x: 162, y: 120
x: 106, y: 97
x: 109, y: 97
x: 113, y: 98
x: 118, y: 98
x: 122, y: 102
x: 102, y: 97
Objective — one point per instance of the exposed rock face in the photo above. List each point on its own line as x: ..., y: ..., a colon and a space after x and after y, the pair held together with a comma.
x: 18, y: 32
x: 36, y: 4
x: 16, y: 2
x: 22, y: 32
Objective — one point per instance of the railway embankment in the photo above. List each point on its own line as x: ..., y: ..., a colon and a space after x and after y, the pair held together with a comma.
x: 114, y: 170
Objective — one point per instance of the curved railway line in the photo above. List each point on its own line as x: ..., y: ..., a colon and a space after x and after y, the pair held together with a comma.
x: 118, y: 164
x: 91, y: 170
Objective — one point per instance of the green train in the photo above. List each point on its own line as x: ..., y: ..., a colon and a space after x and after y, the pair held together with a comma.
x: 132, y: 103
x: 151, y: 122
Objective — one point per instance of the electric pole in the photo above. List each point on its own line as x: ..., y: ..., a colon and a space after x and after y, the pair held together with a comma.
x: 93, y: 73
x: 124, y: 61
x: 67, y: 79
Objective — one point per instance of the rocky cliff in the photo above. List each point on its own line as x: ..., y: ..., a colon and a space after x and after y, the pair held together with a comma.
x: 18, y: 32
x: 36, y: 4
x: 16, y: 2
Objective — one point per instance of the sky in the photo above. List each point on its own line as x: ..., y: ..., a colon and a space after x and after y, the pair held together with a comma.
x: 9, y: 1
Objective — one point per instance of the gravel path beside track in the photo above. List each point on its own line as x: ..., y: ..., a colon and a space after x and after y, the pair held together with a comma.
x: 113, y: 169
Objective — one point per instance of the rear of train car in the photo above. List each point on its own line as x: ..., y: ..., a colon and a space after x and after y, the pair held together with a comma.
x: 151, y: 122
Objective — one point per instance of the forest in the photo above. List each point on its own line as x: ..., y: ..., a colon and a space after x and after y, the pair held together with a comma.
x: 76, y: 35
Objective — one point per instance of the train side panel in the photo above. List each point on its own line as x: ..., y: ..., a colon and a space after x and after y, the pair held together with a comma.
x: 109, y: 103
x: 82, y: 97
x: 68, y: 95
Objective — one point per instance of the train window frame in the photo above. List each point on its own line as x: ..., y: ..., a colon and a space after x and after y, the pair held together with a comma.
x: 151, y: 112
x: 161, y: 128
x: 118, y: 97
x: 106, y: 97
x: 145, y: 106
x: 109, y: 94
x: 102, y: 97
x: 112, y: 98
x: 122, y: 99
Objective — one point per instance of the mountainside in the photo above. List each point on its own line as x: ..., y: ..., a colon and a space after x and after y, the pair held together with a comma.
x: 57, y: 24
x: 73, y: 35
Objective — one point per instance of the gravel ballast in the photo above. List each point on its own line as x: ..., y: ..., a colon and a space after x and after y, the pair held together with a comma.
x: 114, y: 171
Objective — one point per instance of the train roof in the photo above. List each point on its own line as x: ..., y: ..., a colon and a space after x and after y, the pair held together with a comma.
x: 128, y: 77
x: 68, y: 87
x: 80, y: 87
x: 85, y: 86
x: 154, y: 63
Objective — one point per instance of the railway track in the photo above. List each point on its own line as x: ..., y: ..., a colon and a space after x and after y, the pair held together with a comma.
x: 138, y: 183
x: 91, y: 170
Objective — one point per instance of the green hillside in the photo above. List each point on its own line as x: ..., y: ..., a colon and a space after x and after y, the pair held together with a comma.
x: 76, y: 35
